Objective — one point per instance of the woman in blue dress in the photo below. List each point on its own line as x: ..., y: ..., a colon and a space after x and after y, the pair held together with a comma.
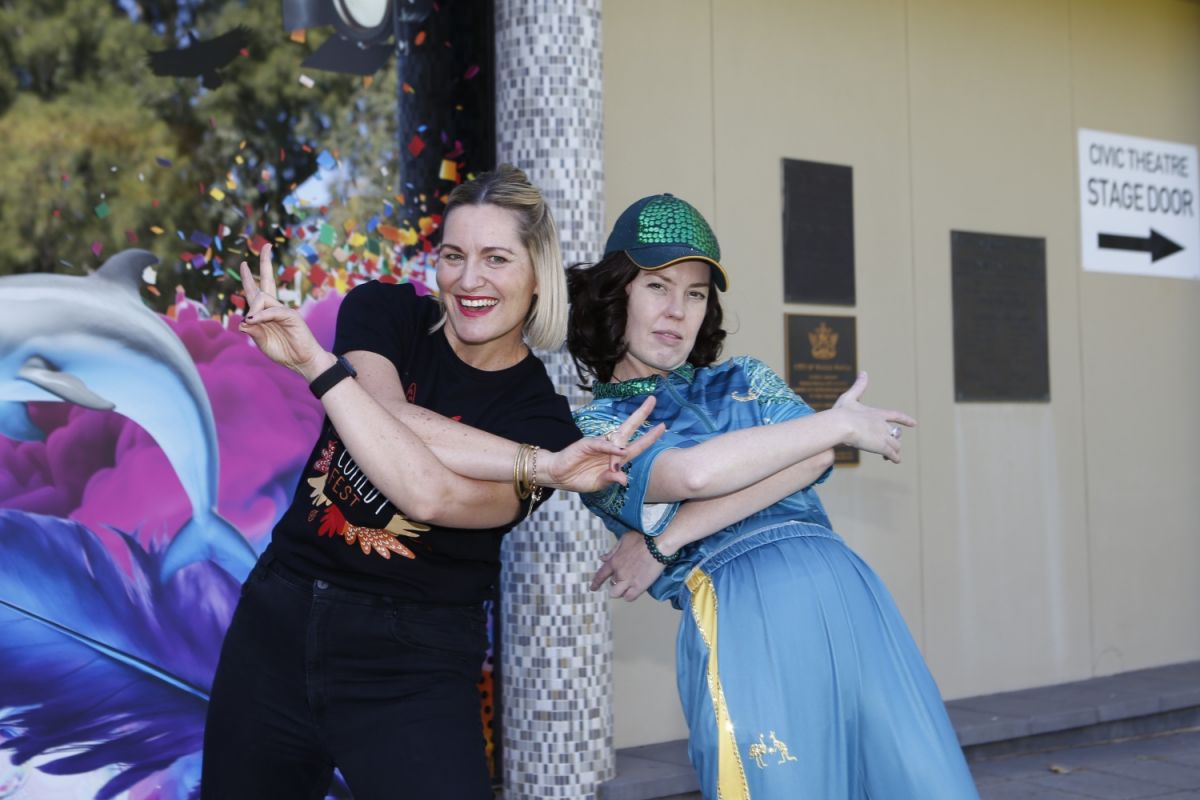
x: 797, y: 674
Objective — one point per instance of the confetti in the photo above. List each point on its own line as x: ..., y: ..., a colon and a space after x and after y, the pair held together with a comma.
x: 102, y: 210
x: 163, y: 162
x: 299, y: 36
x: 328, y: 234
x: 307, y: 83
x: 420, y: 40
x: 471, y: 72
x: 408, y: 89
x: 150, y: 275
x: 449, y: 170
x: 217, y: 194
x: 415, y: 146
x: 97, y: 248
x: 326, y: 161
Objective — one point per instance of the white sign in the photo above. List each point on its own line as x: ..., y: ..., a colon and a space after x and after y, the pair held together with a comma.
x: 1138, y: 203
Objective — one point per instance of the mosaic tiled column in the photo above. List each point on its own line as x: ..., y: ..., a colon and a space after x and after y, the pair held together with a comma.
x: 556, y: 647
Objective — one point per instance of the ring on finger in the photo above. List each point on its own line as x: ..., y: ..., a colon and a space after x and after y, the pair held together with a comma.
x: 895, y: 432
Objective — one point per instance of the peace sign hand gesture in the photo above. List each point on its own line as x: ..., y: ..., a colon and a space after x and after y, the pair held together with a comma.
x: 279, y: 331
x: 595, y: 461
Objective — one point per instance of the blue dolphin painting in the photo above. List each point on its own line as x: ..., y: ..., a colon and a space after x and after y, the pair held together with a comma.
x: 93, y: 342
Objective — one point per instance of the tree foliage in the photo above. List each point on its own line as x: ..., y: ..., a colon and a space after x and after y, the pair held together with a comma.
x: 102, y: 154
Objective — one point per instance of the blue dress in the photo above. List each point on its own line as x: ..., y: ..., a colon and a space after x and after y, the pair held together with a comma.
x: 797, y: 674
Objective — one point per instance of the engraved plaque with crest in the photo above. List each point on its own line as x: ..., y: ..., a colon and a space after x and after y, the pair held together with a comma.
x: 822, y: 362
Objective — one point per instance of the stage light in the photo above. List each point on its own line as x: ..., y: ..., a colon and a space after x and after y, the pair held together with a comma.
x: 364, y: 30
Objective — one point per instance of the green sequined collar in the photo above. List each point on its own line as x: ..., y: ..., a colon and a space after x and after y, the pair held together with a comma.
x: 647, y: 385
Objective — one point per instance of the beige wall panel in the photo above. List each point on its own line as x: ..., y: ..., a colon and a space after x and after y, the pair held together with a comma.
x: 658, y: 109
x: 825, y: 82
x: 1026, y: 544
x: 1004, y: 529
x: 1137, y: 71
x: 657, y: 137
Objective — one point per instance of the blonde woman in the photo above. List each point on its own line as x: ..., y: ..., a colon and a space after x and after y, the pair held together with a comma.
x: 360, y: 634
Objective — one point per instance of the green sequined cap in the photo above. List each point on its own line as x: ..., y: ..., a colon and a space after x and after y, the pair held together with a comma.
x: 661, y: 230
x: 668, y: 220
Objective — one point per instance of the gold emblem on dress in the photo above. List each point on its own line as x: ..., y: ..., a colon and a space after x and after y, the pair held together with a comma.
x: 760, y: 749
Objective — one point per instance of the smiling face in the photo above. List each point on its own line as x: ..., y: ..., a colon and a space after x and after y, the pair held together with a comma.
x: 666, y: 308
x: 486, y: 279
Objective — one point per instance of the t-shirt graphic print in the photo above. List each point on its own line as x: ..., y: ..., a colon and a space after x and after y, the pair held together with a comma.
x: 347, y: 504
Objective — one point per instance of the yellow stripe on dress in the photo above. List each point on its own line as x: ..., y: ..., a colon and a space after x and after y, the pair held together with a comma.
x: 731, y: 778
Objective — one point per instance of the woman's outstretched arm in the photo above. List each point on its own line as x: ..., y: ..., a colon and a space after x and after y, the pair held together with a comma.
x: 478, y: 454
x: 735, y: 460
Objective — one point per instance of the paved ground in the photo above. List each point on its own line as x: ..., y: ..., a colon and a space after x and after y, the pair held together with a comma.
x: 1164, y: 766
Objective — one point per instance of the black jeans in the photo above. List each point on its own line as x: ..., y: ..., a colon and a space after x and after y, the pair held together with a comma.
x: 313, y: 677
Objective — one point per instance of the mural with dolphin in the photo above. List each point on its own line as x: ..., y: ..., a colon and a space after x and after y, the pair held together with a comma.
x: 143, y: 461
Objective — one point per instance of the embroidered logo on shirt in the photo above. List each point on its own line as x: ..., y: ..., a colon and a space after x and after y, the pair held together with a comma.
x: 760, y: 749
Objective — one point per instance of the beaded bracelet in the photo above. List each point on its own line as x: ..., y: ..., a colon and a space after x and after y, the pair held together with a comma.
x: 658, y: 555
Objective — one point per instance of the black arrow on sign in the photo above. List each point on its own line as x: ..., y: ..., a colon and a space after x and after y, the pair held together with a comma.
x: 1157, y: 245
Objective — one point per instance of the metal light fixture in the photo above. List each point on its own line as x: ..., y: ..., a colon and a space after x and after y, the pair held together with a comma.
x: 364, y: 28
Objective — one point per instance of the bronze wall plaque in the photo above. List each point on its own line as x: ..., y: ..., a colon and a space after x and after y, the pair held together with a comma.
x: 818, y: 233
x: 1001, y: 351
x: 822, y: 362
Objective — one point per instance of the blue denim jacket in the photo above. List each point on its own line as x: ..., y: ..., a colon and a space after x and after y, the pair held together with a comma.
x: 696, y: 405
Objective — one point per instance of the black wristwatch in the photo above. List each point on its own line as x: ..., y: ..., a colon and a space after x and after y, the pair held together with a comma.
x: 331, y: 377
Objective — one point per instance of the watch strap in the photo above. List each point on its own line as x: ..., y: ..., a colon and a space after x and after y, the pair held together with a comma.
x: 338, y: 372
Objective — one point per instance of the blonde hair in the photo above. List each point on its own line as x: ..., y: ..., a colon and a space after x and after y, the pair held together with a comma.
x: 508, y: 187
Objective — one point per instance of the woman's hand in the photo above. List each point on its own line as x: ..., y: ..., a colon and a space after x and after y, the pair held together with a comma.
x: 279, y: 331
x: 593, y: 462
x: 872, y: 429
x: 629, y: 568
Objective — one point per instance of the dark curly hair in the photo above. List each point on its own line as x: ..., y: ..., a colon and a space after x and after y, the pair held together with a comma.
x: 596, y: 322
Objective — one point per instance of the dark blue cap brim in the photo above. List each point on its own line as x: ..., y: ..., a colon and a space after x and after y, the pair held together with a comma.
x: 661, y: 256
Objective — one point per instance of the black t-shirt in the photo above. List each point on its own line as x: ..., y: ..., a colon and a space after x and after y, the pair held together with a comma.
x: 340, y: 528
